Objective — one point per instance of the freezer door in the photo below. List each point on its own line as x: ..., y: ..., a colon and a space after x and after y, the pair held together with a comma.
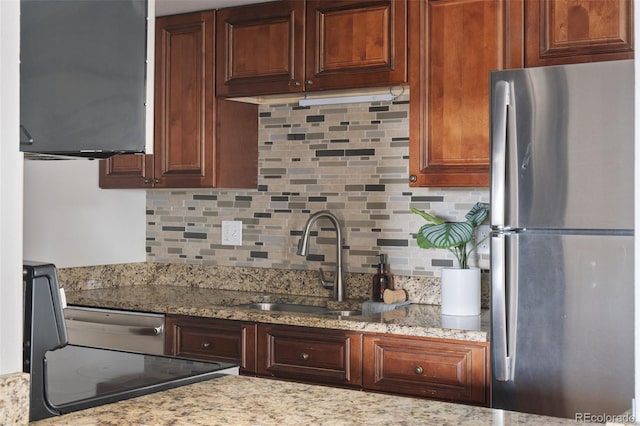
x: 562, y: 323
x: 562, y: 147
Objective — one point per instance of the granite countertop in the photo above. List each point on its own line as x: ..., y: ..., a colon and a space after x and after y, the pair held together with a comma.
x: 413, y: 319
x: 240, y: 400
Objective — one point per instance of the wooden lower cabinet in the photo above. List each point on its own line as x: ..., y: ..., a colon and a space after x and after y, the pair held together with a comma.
x: 310, y: 354
x: 450, y: 370
x: 212, y: 340
x: 435, y: 368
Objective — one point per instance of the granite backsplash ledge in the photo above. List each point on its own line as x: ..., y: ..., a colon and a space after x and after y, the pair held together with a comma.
x: 423, y: 290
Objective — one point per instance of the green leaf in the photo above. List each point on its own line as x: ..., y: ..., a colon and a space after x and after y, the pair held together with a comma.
x: 421, y: 240
x: 453, y: 236
x: 477, y: 214
x: 445, y: 235
x: 427, y: 216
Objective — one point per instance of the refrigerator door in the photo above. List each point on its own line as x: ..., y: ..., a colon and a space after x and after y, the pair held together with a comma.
x: 562, y: 147
x: 562, y: 321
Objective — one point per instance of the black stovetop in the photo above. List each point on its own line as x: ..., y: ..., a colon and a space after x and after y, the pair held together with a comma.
x: 78, y: 377
x: 65, y: 378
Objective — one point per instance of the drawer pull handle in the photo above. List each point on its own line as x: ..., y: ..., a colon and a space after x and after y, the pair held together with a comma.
x: 304, y: 356
x: 418, y: 370
x: 205, y: 345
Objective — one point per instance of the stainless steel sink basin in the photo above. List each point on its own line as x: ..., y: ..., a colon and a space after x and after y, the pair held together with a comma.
x: 343, y: 313
x: 287, y: 307
x: 307, y: 309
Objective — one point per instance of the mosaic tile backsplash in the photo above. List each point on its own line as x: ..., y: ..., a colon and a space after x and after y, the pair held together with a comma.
x: 350, y: 159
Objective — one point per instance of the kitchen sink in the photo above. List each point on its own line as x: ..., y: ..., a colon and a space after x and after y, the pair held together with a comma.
x: 287, y: 307
x: 307, y: 309
x: 347, y: 313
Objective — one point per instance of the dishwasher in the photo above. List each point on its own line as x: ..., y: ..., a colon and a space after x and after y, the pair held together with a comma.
x: 115, y: 329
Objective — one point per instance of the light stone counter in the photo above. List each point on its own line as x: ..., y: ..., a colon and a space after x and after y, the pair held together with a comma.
x: 240, y: 400
x: 414, y: 319
x: 14, y: 399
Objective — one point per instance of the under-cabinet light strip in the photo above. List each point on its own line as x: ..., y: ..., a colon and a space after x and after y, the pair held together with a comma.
x: 347, y: 99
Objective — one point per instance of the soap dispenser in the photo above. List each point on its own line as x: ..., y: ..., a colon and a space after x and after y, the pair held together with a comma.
x: 382, y: 280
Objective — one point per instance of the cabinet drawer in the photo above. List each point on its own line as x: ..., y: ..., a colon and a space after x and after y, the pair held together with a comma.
x: 215, y: 340
x: 455, y: 371
x: 317, y: 355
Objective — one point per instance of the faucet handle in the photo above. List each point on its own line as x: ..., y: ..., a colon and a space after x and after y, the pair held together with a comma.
x: 325, y: 283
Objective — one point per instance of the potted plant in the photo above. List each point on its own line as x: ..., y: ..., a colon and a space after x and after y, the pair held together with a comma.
x: 460, y: 292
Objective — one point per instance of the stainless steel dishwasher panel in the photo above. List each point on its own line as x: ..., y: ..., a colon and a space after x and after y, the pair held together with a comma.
x: 113, y: 329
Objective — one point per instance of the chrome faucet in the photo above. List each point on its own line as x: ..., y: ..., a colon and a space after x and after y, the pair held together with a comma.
x: 303, y: 248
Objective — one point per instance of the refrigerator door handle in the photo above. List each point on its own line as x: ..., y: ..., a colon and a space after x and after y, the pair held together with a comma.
x: 501, y: 97
x: 504, y: 305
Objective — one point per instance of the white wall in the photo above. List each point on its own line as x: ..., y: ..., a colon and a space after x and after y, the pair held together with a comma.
x: 10, y: 191
x: 70, y: 221
x: 636, y: 20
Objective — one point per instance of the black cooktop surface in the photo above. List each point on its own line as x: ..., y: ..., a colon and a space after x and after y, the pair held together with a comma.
x: 78, y: 377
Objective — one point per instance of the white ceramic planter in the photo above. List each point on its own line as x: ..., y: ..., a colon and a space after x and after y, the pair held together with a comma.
x: 462, y: 322
x: 460, y: 291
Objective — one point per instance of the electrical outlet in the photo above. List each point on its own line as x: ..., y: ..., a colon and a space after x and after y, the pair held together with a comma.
x: 482, y: 235
x: 231, y: 233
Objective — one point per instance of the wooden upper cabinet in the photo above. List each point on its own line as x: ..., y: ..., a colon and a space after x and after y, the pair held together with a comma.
x: 353, y: 44
x: 184, y: 100
x: 573, y: 31
x: 459, y: 42
x: 260, y: 49
x: 295, y: 46
x: 199, y: 141
x: 126, y: 171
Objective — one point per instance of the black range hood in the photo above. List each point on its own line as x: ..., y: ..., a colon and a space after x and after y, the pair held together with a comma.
x: 82, y: 77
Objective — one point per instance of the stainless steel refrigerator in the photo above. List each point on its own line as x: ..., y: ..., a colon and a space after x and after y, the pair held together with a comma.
x: 562, y: 174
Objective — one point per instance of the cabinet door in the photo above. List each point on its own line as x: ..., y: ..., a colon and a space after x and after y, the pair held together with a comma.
x: 353, y: 44
x: 459, y: 42
x: 200, y: 141
x: 310, y: 355
x: 184, y: 101
x: 450, y: 370
x: 126, y: 171
x: 260, y: 49
x: 236, y: 145
x: 213, y: 340
x: 565, y: 32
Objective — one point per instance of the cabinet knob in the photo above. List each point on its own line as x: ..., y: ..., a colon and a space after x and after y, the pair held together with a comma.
x: 413, y: 178
x: 304, y: 356
x: 146, y: 181
x: 205, y: 345
x: 294, y: 83
x: 418, y: 370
